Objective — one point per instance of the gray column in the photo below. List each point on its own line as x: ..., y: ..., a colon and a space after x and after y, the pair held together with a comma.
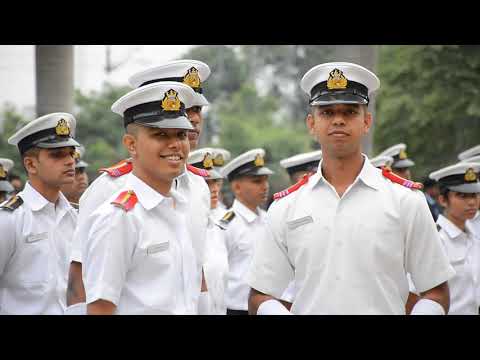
x: 54, y: 78
x: 365, y: 55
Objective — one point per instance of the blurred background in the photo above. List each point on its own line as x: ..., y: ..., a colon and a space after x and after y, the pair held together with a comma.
x: 428, y: 99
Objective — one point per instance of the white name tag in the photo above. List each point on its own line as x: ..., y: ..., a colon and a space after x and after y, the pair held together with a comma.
x: 152, y: 249
x: 36, y: 237
x: 293, y: 224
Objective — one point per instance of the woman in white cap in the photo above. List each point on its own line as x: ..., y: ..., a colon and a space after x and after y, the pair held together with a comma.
x: 459, y: 196
x: 37, y: 224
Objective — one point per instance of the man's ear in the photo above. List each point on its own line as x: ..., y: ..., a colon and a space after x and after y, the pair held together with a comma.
x: 368, y: 120
x: 310, y: 122
x: 442, y: 200
x: 31, y: 165
x: 130, y: 143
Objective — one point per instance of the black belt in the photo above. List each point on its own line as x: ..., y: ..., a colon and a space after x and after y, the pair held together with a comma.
x: 236, y: 312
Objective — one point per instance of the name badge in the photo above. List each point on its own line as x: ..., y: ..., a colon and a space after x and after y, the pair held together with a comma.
x: 152, y: 249
x: 293, y: 224
x: 36, y: 237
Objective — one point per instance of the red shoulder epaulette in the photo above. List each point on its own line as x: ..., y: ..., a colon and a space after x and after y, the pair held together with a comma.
x: 399, y: 180
x: 126, y: 200
x: 121, y: 168
x: 197, y: 171
x: 292, y: 188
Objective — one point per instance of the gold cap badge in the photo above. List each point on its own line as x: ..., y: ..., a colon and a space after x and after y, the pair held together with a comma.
x: 207, y: 161
x: 76, y: 155
x: 219, y: 160
x: 336, y: 80
x: 62, y: 128
x: 402, y: 155
x: 171, y: 102
x: 470, y: 175
x: 259, y: 160
x: 192, y: 79
x: 3, y: 173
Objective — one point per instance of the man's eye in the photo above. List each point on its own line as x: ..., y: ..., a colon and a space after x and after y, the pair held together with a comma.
x: 182, y: 135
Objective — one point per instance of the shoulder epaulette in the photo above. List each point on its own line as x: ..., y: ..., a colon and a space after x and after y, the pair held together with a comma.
x: 119, y: 169
x: 197, y: 171
x: 12, y: 204
x: 227, y: 218
x: 399, y: 180
x: 126, y: 200
x: 292, y: 188
x: 74, y: 205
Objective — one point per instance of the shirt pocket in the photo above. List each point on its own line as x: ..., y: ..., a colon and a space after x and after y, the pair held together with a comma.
x: 34, y: 259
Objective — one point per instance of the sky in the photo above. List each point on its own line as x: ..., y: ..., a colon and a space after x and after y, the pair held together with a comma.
x: 17, y: 68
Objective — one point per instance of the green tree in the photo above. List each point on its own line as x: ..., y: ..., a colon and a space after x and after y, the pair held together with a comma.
x: 99, y: 129
x: 429, y: 100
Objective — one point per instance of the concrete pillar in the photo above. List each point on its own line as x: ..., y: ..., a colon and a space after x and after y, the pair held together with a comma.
x: 54, y: 78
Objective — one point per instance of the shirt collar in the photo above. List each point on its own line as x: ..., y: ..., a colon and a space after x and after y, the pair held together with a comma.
x: 245, y: 212
x: 33, y: 198
x: 146, y: 195
x: 450, y: 228
x: 369, y: 174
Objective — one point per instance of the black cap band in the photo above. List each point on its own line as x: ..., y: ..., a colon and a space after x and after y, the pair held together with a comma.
x: 453, y: 180
x: 176, y: 79
x: 151, y: 112
x: 43, y: 136
x: 310, y: 166
x: 353, y: 88
x: 245, y: 169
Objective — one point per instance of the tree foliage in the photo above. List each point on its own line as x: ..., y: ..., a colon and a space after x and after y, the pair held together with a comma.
x: 429, y: 100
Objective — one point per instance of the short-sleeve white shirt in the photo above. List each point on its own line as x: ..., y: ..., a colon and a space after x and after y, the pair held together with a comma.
x: 350, y: 255
x: 141, y: 260
x: 35, y: 243
x: 216, y: 267
x: 463, y: 252
x: 191, y: 186
x: 241, y: 237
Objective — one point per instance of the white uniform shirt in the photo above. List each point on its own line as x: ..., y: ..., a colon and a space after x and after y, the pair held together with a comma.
x: 99, y: 191
x: 34, y: 246
x: 462, y: 250
x: 474, y: 225
x: 142, y: 260
x: 191, y: 186
x: 350, y: 255
x: 216, y: 267
x: 241, y: 237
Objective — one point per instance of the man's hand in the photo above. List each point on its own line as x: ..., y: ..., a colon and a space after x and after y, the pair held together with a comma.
x: 101, y: 307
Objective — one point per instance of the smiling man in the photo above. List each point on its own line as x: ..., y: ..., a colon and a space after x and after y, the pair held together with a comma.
x: 190, y: 183
x: 348, y: 234
x: 37, y: 224
x: 139, y: 257
x: 248, y: 177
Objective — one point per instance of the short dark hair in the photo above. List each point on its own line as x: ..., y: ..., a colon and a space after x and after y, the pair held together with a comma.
x: 429, y: 183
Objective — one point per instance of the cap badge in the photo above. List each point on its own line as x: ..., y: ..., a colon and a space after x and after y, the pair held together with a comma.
x: 336, y: 80
x: 259, y: 160
x: 402, y: 155
x: 207, y: 161
x: 470, y: 175
x: 62, y: 128
x: 171, y: 102
x: 218, y: 161
x: 3, y: 173
x: 191, y: 78
x: 76, y: 155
